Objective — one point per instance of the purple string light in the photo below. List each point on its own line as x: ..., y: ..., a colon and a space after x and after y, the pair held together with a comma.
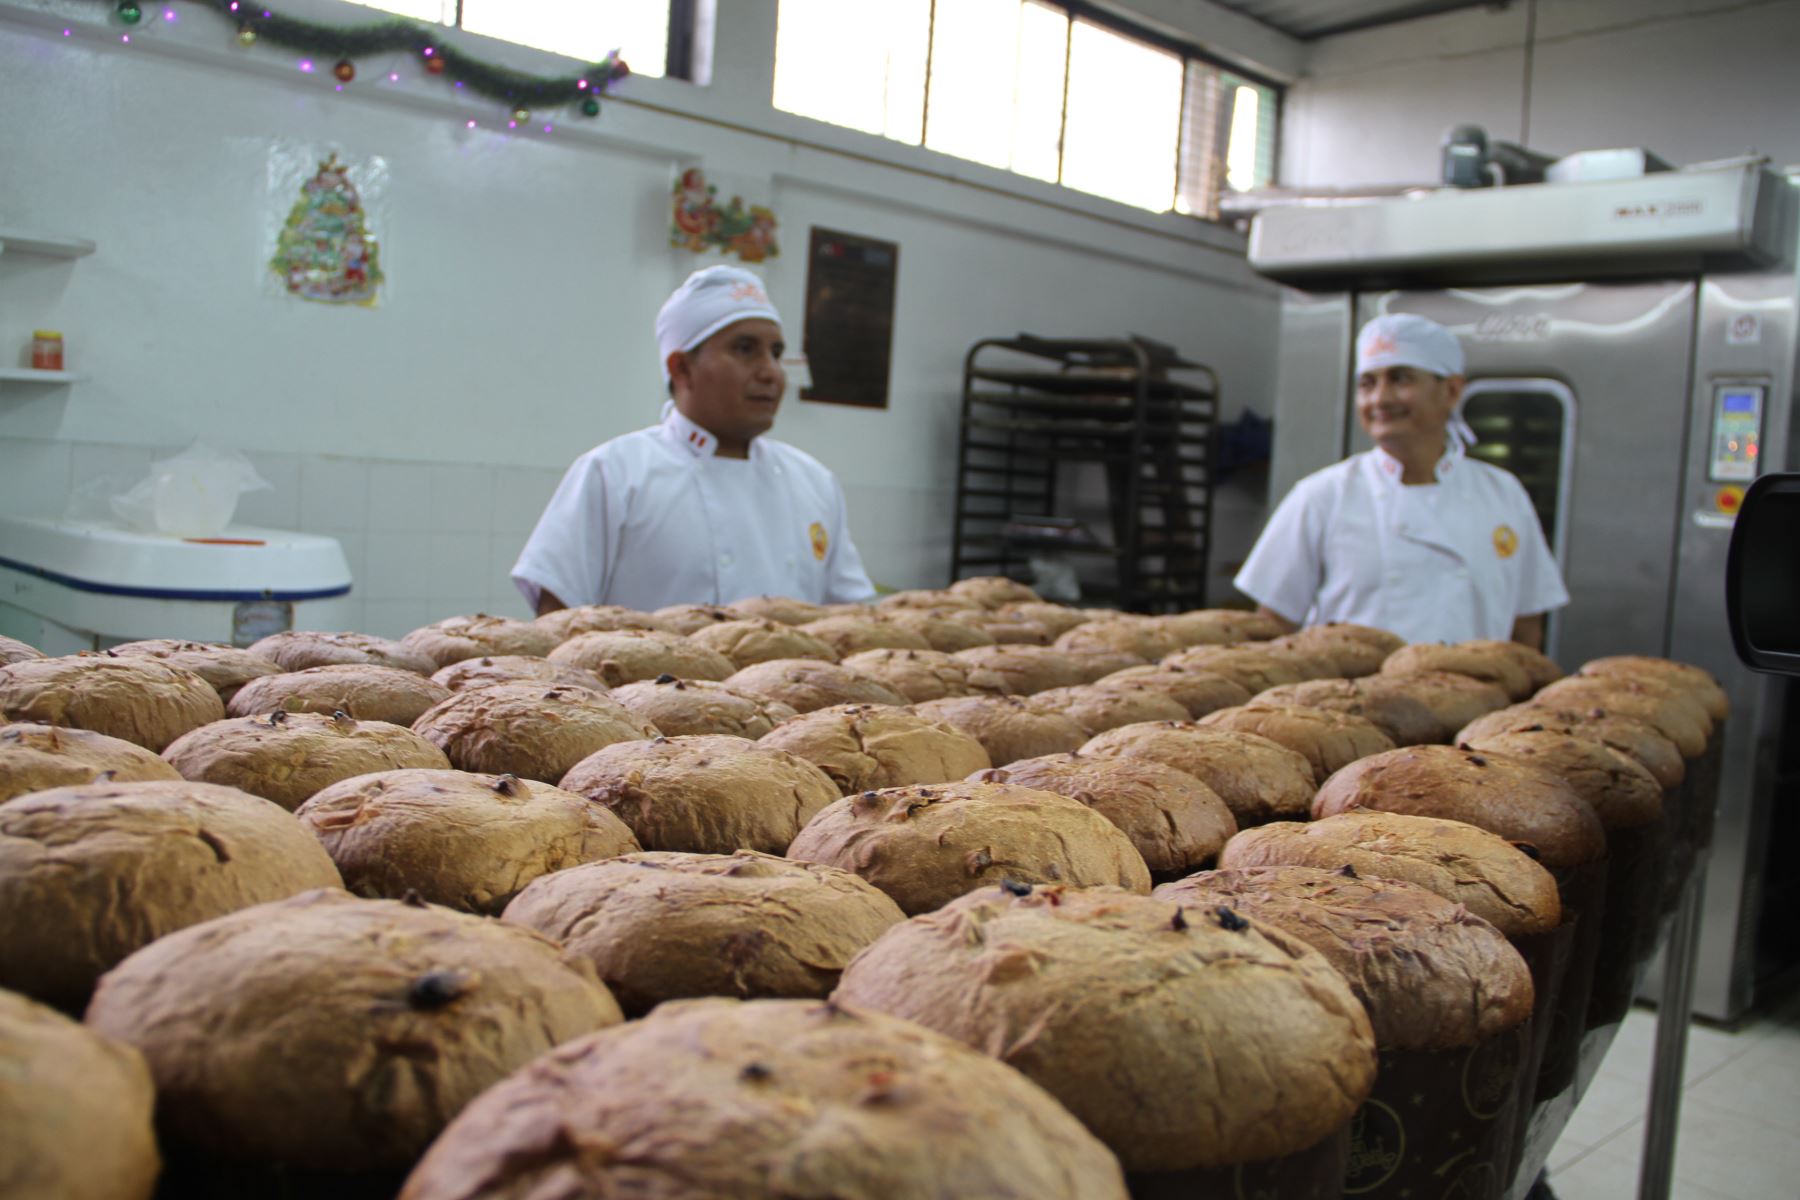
x: 306, y: 64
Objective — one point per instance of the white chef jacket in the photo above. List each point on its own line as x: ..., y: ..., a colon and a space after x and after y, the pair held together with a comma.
x: 1441, y: 562
x: 656, y: 517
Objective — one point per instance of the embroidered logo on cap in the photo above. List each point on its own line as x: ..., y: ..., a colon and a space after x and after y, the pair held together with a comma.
x: 1506, y: 542
x: 820, y: 542
x: 749, y: 291
x: 1381, y: 343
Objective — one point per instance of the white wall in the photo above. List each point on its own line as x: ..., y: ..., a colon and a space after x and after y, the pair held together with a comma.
x: 524, y: 273
x: 1692, y: 80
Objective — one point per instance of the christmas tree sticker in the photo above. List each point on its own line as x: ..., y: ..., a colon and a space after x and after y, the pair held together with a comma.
x: 327, y: 251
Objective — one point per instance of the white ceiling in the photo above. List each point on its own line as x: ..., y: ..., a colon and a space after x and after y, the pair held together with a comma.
x: 1308, y: 19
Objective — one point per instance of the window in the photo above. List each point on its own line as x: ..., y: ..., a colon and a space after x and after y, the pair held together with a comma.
x: 583, y: 29
x: 1031, y: 87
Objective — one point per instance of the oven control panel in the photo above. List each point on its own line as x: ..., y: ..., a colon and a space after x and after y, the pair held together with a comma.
x: 1736, y: 431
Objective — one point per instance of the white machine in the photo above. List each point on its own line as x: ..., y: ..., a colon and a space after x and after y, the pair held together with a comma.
x: 67, y: 586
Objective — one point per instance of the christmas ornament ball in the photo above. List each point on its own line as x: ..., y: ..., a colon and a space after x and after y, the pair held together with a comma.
x: 434, y: 65
x: 129, y: 12
x: 246, y: 36
x: 345, y: 70
x: 590, y: 107
x: 521, y: 114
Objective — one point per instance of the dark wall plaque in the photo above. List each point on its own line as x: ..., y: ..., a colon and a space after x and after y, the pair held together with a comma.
x: 849, y: 339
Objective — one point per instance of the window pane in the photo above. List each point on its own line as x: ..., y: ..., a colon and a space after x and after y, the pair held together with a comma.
x: 439, y: 12
x: 867, y: 73
x: 1037, y: 112
x: 583, y: 29
x: 1250, y: 161
x: 1123, y: 119
x: 1201, y: 166
x: 995, y: 107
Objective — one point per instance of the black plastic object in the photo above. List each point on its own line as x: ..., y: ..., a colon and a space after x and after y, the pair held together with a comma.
x: 1762, y: 576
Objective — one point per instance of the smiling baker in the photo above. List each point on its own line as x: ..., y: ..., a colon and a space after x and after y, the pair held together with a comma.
x: 702, y: 508
x: 1412, y: 536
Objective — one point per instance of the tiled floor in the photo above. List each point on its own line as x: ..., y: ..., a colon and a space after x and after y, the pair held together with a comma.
x: 1740, y: 1115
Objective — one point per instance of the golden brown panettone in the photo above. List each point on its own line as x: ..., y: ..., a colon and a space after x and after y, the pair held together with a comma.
x: 1258, y: 779
x: 456, y: 638
x: 35, y: 758
x: 334, y: 1033
x: 766, y: 1098
x: 1676, y: 713
x: 76, y: 1110
x: 1010, y: 669
x: 1453, y: 699
x: 1003, y: 627
x: 923, y: 598
x: 747, y: 642
x: 1482, y: 871
x: 515, y: 668
x: 926, y: 845
x: 1143, y: 637
x: 286, y: 757
x: 1198, y: 691
x: 785, y: 609
x: 1007, y: 727
x: 298, y: 649
x: 1478, y: 661
x: 864, y: 746
x: 465, y: 841
x: 1624, y: 794
x: 992, y: 591
x: 89, y: 874
x: 704, y: 794
x: 1327, y: 738
x: 1694, y: 679
x: 565, y: 623
x: 1478, y: 869
x: 1182, y: 1037
x: 1091, y: 666
x: 1350, y: 657
x: 136, y: 699
x: 1514, y: 799
x: 1405, y: 721
x: 1056, y: 619
x: 1628, y: 735
x: 691, y: 618
x: 1539, y: 668
x: 665, y: 926
x: 12, y: 650
x: 1176, y: 822
x: 847, y: 635
x: 1368, y: 635
x: 1096, y: 708
x: 227, y: 668
x: 1222, y: 627
x: 805, y: 684
x: 1430, y: 974
x: 680, y: 707
x: 621, y: 656
x: 365, y: 692
x: 918, y: 675
x: 940, y: 633
x: 525, y: 729
x: 1257, y: 667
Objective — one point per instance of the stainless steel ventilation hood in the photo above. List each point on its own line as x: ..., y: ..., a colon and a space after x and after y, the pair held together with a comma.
x: 1676, y: 222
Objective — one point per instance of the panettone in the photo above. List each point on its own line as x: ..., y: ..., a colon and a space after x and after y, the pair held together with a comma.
x: 1008, y: 727
x: 530, y: 730
x: 805, y: 684
x: 367, y: 693
x: 864, y: 746
x: 136, y: 699
x: 680, y: 707
x: 456, y: 638
x: 286, y: 757
x: 1258, y: 779
x: 620, y: 656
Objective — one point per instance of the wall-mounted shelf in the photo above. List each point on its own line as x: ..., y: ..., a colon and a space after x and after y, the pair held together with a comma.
x: 36, y: 241
x: 31, y: 375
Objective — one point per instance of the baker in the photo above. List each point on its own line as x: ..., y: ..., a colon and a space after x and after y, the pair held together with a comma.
x: 1413, y: 536
x: 701, y: 508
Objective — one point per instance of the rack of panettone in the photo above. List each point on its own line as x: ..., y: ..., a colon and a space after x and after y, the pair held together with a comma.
x: 789, y: 899
x: 1033, y: 409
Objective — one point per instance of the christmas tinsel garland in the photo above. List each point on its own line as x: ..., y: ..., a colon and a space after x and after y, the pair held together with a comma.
x: 518, y: 89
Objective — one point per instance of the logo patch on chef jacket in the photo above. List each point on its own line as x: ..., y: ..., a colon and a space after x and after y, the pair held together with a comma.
x: 820, y: 542
x: 1506, y: 542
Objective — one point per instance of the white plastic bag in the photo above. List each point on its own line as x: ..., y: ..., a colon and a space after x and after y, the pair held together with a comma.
x: 193, y: 494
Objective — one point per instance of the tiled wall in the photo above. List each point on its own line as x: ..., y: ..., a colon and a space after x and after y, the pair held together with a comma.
x: 426, y: 541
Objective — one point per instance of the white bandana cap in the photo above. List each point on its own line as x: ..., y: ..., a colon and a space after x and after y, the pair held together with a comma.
x: 709, y: 300
x: 1405, y: 340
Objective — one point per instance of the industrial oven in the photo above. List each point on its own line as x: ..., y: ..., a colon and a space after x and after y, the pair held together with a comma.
x: 1631, y: 351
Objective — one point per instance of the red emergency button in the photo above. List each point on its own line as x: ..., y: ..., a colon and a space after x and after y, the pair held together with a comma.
x: 1729, y: 499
